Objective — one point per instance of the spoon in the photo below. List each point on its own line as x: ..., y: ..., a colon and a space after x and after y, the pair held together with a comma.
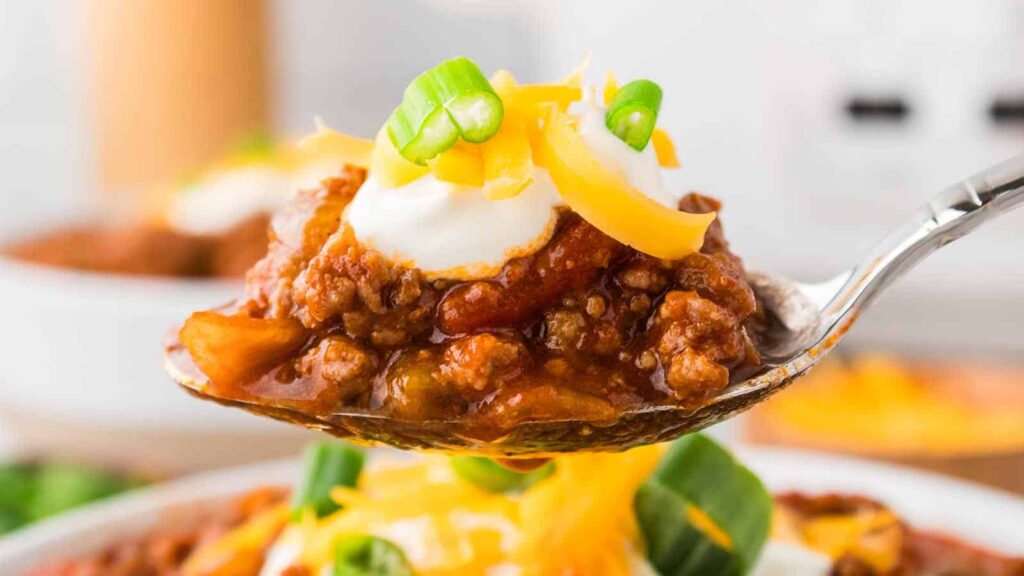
x: 811, y: 320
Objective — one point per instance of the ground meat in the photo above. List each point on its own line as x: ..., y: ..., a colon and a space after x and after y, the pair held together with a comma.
x: 585, y: 326
x: 577, y: 255
x: 479, y: 361
x: 297, y: 234
x: 342, y: 363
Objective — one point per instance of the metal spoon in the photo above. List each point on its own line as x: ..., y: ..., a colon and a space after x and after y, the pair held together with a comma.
x: 812, y: 318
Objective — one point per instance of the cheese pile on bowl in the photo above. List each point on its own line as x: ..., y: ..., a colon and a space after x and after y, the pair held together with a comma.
x: 581, y: 514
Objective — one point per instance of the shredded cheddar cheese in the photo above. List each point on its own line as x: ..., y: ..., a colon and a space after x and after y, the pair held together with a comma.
x: 388, y: 166
x: 461, y: 164
x: 507, y: 159
x: 606, y: 201
x: 330, y: 144
x: 877, y: 404
x: 240, y: 551
x: 705, y: 524
x: 611, y: 86
x: 580, y: 520
x: 664, y: 149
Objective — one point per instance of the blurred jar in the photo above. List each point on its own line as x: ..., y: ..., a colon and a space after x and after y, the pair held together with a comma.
x: 173, y: 83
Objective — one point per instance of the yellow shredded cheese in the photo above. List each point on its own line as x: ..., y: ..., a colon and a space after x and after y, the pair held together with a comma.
x: 881, y: 405
x: 611, y: 87
x: 462, y: 164
x: 664, y: 149
x: 328, y: 143
x: 504, y: 84
x: 507, y: 159
x: 240, y: 551
x: 579, y: 520
x: 873, y: 536
x: 389, y: 167
x: 705, y: 524
x: 589, y: 522
x: 606, y: 201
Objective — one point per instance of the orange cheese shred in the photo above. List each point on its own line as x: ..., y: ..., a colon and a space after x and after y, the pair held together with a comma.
x: 664, y: 149
x: 328, y: 143
x: 389, y: 167
x: 507, y: 159
x: 602, y: 198
x: 462, y: 164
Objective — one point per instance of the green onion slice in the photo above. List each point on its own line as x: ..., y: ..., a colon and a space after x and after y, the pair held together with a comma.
x: 364, y: 555
x: 450, y: 100
x: 327, y: 464
x: 633, y: 113
x: 493, y: 477
x: 699, y: 478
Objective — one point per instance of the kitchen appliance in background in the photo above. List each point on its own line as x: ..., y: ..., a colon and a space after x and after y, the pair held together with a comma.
x: 822, y: 125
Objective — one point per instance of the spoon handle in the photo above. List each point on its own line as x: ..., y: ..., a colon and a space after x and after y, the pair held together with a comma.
x: 953, y: 213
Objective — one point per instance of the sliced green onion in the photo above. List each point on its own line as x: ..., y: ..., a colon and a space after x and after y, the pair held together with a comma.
x: 493, y: 477
x: 450, y: 100
x: 327, y: 464
x: 698, y: 473
x: 633, y: 113
x: 364, y: 555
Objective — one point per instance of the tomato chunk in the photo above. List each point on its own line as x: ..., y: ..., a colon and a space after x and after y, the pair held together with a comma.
x: 230, y: 349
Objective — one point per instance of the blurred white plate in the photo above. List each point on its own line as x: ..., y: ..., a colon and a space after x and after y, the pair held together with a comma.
x: 977, y: 514
x: 82, y: 373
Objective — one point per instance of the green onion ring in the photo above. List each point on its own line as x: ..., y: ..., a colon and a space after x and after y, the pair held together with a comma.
x: 450, y: 100
x: 327, y: 464
x: 365, y: 555
x: 633, y: 113
x: 493, y: 477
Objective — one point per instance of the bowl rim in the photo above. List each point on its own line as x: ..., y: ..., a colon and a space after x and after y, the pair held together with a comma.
x: 781, y: 468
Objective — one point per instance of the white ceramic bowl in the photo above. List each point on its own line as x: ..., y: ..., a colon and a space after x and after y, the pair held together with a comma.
x: 82, y: 371
x: 927, y: 501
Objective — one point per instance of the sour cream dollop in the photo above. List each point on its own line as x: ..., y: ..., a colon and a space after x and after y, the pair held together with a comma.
x: 639, y: 169
x: 222, y: 199
x: 452, y: 231
x: 225, y: 198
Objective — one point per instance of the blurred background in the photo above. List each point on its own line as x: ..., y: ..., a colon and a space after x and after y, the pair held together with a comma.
x: 132, y: 128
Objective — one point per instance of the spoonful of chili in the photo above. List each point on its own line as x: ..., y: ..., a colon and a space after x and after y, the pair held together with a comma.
x: 585, y: 344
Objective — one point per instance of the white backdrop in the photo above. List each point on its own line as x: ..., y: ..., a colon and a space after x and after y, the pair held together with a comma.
x: 755, y: 98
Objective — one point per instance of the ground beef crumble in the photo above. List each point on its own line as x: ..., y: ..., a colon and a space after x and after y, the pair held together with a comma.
x: 586, y: 325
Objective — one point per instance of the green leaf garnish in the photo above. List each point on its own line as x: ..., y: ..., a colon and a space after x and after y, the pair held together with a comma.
x: 364, y: 555
x: 493, y: 477
x: 702, y: 513
x: 327, y: 464
x: 450, y: 100
x: 633, y: 113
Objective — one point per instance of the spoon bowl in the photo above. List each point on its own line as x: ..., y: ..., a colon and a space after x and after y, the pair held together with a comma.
x: 808, y: 321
